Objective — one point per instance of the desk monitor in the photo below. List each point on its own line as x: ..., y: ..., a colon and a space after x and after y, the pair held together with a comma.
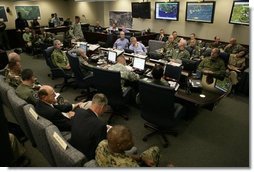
x: 83, y: 46
x: 139, y: 63
x: 189, y: 65
x: 173, y: 72
x: 126, y: 50
x: 112, y: 56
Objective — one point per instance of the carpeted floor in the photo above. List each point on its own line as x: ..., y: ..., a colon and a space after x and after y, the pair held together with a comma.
x: 218, y: 138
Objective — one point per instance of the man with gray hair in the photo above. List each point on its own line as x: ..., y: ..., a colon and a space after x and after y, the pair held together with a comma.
x: 181, y: 52
x: 87, y: 129
x: 59, y: 57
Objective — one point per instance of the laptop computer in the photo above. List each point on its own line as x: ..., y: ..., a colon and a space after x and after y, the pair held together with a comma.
x: 173, y: 72
x: 223, y: 85
x: 139, y: 65
x: 112, y: 56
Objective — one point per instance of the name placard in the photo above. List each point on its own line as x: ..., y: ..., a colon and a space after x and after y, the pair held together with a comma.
x: 33, y: 113
x: 60, y: 141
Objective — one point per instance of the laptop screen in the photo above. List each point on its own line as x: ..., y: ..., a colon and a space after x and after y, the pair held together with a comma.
x: 83, y: 46
x: 112, y: 56
x: 222, y: 85
x: 173, y: 72
x: 139, y: 63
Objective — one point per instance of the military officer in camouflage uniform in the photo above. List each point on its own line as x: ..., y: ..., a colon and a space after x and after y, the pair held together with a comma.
x: 13, y: 71
x: 26, y: 90
x: 213, y: 65
x: 111, y: 152
x: 169, y: 46
x: 181, y: 52
x: 59, y: 57
x: 193, y: 49
x: 233, y: 47
x: 176, y: 38
x: 126, y: 74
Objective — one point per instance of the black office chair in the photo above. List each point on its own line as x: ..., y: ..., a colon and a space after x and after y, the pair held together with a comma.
x: 81, y: 81
x: 109, y: 83
x: 159, y: 110
x: 3, y: 61
x: 57, y: 72
x: 173, y: 72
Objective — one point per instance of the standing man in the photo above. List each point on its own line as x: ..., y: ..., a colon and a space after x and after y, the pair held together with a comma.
x: 20, y: 23
x: 87, y: 129
x: 4, y: 41
x: 76, y: 31
x: 121, y: 43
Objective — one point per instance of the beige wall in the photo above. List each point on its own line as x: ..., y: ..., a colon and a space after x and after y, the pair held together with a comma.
x: 100, y: 11
x: 220, y: 26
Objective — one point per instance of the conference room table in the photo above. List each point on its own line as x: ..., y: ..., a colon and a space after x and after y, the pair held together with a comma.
x: 206, y: 98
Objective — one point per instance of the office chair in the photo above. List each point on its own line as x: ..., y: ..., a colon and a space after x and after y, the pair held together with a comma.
x: 64, y: 156
x: 3, y: 61
x: 159, y: 110
x: 57, y: 72
x: 38, y: 127
x: 173, y: 72
x: 81, y: 81
x: 109, y: 83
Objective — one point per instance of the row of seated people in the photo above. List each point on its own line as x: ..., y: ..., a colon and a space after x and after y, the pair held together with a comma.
x: 87, y: 130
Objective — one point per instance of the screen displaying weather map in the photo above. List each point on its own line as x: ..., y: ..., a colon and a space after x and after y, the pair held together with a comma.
x: 200, y: 11
x: 240, y: 13
x: 166, y: 10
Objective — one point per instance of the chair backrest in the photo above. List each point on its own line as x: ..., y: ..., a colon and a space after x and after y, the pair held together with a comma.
x: 173, y: 72
x: 17, y: 106
x: 4, y: 87
x: 157, y: 102
x: 155, y: 45
x: 47, y: 55
x: 109, y: 83
x: 75, y: 66
x: 38, y: 127
x: 64, y: 154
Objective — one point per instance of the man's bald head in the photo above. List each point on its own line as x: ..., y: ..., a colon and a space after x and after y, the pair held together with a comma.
x: 122, y: 35
x: 14, y: 57
x: 47, y: 94
x: 119, y: 139
x: 121, y: 59
x: 232, y: 41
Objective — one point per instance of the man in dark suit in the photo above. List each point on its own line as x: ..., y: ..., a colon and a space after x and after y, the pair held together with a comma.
x: 87, y: 129
x: 161, y: 36
x: 59, y: 115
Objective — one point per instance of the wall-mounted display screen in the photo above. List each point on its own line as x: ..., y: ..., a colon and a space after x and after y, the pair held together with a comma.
x: 141, y: 10
x: 240, y: 13
x: 200, y: 11
x: 167, y: 10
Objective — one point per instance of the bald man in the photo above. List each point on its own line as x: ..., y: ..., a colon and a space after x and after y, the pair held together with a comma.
x: 111, y: 152
x: 233, y: 47
x: 181, y: 52
x: 121, y: 43
x: 59, y: 115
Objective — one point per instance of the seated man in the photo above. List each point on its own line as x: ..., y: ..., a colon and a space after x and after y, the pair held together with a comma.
x: 59, y: 57
x: 181, y: 52
x: 194, y: 49
x: 27, y: 37
x: 87, y: 129
x: 236, y: 65
x: 233, y: 47
x: 97, y: 27
x: 157, y: 74
x: 13, y: 71
x: 216, y: 43
x: 126, y: 74
x: 59, y: 115
x: 111, y: 152
x: 169, y: 46
x: 27, y: 90
x: 161, y: 36
x: 176, y: 38
x: 121, y: 43
x: 213, y: 66
x: 137, y: 47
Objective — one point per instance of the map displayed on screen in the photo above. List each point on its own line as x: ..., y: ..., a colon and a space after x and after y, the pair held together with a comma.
x: 167, y: 11
x: 200, y: 12
x: 240, y: 13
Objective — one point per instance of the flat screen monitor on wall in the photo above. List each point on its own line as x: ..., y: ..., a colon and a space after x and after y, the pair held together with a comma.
x: 167, y: 10
x: 240, y: 13
x: 141, y: 10
x: 200, y: 11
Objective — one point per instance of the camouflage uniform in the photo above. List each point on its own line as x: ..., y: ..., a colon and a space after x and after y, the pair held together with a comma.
x: 234, y: 49
x: 105, y: 158
x: 27, y: 93
x: 236, y: 62
x: 176, y: 40
x: 180, y: 54
x: 125, y: 73
x: 12, y: 79
x: 169, y: 47
x: 217, y: 66
x: 59, y: 59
